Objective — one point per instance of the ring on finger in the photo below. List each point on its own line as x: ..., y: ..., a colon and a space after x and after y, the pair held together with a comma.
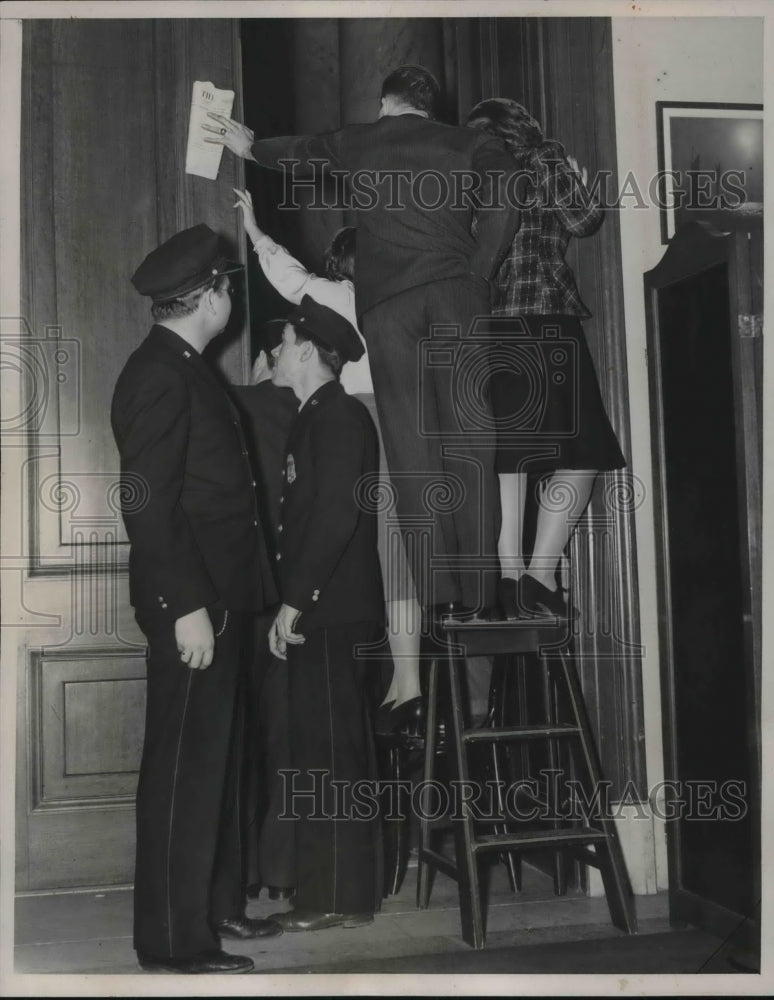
x: 222, y: 131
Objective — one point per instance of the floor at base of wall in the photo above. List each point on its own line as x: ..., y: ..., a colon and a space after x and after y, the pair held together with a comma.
x: 530, y: 932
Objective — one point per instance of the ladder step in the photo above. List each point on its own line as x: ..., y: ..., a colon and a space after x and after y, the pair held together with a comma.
x: 518, y: 733
x: 586, y: 857
x: 537, y: 838
x: 438, y: 861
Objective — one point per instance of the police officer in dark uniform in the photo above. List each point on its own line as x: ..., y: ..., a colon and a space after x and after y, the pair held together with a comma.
x: 198, y: 569
x: 268, y: 412
x: 332, y: 606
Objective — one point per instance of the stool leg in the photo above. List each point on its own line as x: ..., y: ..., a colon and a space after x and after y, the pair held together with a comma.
x: 554, y: 761
x: 496, y: 713
x: 468, y: 885
x: 396, y: 831
x: 424, y: 874
x: 615, y: 877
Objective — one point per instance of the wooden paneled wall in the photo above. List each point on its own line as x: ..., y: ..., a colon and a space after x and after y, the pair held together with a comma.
x: 104, y: 130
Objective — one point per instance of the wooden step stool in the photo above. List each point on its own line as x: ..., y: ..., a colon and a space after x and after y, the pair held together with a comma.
x: 596, y: 844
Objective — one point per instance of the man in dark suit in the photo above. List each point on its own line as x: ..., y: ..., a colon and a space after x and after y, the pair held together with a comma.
x: 420, y: 264
x: 268, y: 412
x: 197, y: 569
x: 332, y: 604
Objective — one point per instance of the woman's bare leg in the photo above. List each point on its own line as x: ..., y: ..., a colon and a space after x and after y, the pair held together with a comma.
x: 513, y: 494
x: 562, y: 502
x: 405, y: 619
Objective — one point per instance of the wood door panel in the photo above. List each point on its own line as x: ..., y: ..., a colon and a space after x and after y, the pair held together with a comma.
x: 94, y: 744
x: 79, y: 847
x: 88, y: 712
x: 105, y: 107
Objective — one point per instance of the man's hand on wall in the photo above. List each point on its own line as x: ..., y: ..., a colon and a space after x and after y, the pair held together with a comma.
x: 233, y: 135
x: 195, y: 639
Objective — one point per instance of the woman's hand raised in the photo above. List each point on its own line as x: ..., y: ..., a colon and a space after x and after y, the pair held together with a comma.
x: 245, y: 202
x: 581, y: 172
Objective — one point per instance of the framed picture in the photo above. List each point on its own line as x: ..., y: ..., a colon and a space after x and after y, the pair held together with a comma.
x: 710, y: 161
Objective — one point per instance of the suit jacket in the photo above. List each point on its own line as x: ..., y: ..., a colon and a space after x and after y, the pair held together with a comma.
x: 189, y: 493
x: 328, y: 559
x: 410, y: 244
x: 267, y: 412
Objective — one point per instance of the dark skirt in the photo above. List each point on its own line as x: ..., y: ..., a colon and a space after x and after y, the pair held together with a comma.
x: 546, y: 400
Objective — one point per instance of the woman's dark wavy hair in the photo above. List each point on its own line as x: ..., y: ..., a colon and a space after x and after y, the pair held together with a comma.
x: 508, y: 120
x: 339, y: 260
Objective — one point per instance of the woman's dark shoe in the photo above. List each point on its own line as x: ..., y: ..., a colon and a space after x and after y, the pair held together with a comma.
x: 409, y: 717
x: 382, y: 717
x: 533, y: 598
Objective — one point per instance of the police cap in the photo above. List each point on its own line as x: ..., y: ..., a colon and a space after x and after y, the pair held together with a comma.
x: 329, y: 327
x: 184, y: 262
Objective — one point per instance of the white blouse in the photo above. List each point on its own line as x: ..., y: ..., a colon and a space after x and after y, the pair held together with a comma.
x: 293, y: 281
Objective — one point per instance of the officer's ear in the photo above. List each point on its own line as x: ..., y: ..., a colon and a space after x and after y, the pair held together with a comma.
x: 307, y: 349
x: 208, y: 300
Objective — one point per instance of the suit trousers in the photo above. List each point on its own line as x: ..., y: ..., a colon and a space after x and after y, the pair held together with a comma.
x: 271, y: 845
x: 188, y: 871
x: 439, y: 435
x: 338, y: 846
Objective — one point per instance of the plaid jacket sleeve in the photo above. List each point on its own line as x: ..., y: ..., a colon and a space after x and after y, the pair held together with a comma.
x: 566, y: 195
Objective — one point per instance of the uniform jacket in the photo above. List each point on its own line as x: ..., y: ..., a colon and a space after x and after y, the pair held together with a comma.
x: 535, y: 278
x: 410, y: 244
x: 328, y: 560
x: 268, y: 412
x: 188, y: 500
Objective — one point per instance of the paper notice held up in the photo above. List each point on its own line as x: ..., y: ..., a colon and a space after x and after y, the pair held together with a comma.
x: 203, y: 158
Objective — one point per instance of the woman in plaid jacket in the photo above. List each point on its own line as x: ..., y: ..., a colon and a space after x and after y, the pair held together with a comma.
x: 550, y: 416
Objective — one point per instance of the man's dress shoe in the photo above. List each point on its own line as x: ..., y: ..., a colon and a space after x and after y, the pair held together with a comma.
x: 312, y: 920
x: 243, y: 928
x: 206, y: 961
x: 507, y: 598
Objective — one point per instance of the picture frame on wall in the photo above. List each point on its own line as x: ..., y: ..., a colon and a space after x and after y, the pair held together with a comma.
x: 710, y: 162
